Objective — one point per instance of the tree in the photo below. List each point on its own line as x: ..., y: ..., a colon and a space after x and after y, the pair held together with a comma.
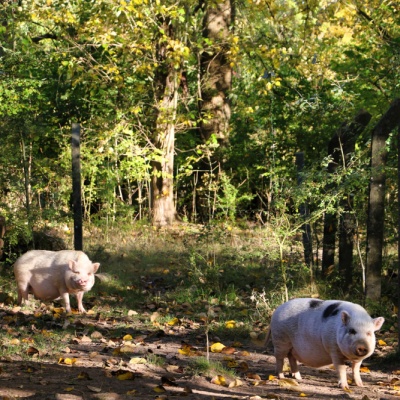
x: 376, y: 204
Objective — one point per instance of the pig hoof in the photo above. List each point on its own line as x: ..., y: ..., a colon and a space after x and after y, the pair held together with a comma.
x: 297, y: 376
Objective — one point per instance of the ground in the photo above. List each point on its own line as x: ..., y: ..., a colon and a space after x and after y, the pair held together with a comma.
x: 94, y: 361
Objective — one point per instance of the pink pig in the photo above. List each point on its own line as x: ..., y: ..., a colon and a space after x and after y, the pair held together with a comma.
x: 318, y: 333
x: 50, y: 275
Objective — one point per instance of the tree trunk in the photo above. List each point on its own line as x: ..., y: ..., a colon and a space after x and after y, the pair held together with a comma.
x: 216, y: 72
x: 305, y: 214
x: 340, y: 147
x: 166, y: 99
x: 398, y: 238
x: 376, y: 212
x: 214, y: 106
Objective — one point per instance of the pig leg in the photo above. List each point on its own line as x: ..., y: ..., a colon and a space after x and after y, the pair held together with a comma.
x: 282, y: 350
x: 340, y: 367
x: 65, y: 298
x: 294, y: 368
x: 23, y: 290
x: 79, y: 297
x: 356, y: 373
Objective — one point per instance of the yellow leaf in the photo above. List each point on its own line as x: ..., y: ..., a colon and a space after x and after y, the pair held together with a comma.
x: 219, y: 380
x: 131, y: 392
x: 127, y: 337
x: 69, y: 361
x: 288, y: 382
x: 217, y: 347
x: 173, y: 322
x: 125, y: 376
x: 272, y: 378
x: 381, y: 342
x: 159, y: 389
x: 230, y: 324
x: 69, y: 389
x: 137, y: 360
x: 303, y: 395
x: 365, y: 370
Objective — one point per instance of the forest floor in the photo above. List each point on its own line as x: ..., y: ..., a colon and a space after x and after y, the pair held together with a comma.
x: 152, y: 323
x: 160, y: 364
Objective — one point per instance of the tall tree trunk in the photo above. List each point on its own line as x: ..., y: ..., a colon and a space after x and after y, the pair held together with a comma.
x: 376, y: 211
x: 166, y: 99
x: 340, y: 147
x: 216, y: 71
x: 214, y: 105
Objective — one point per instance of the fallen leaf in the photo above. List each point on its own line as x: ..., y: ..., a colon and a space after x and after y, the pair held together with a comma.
x: 243, y: 366
x: 94, y: 389
x: 228, y: 350
x: 127, y: 338
x: 31, y: 351
x: 217, y: 347
x: 219, y: 380
x: 168, y: 381
x: 232, y: 364
x: 137, y: 360
x: 159, y: 389
x: 173, y: 321
x: 175, y: 369
x: 288, y: 382
x: 84, y: 375
x: 67, y: 361
x: 125, y: 375
x: 230, y: 324
x: 235, y: 383
x: 251, y: 375
x: 381, y: 342
x: 365, y: 370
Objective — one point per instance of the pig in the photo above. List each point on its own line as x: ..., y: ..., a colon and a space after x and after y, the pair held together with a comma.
x: 317, y: 333
x: 54, y: 274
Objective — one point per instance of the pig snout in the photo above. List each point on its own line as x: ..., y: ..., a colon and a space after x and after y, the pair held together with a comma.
x: 361, y: 350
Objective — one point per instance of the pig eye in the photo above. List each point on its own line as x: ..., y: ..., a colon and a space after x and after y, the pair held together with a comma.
x: 352, y: 331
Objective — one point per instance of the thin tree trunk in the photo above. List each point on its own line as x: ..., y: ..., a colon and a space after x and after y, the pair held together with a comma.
x: 376, y: 211
x: 398, y: 238
x: 304, y: 213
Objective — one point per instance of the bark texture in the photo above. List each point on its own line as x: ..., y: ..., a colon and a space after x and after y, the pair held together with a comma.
x: 376, y: 204
x: 216, y: 72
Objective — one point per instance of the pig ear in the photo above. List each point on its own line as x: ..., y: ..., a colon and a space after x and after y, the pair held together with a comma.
x: 345, y: 317
x: 378, y: 322
x: 72, y: 265
x: 95, y: 267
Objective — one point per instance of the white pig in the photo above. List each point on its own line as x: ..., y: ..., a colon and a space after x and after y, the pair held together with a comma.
x: 53, y: 274
x: 318, y: 333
